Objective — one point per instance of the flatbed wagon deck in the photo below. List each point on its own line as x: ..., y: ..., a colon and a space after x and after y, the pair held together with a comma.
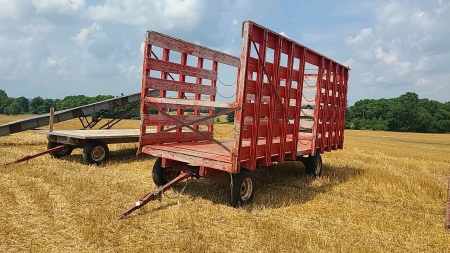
x: 93, y: 142
x: 209, y: 154
x: 107, y: 135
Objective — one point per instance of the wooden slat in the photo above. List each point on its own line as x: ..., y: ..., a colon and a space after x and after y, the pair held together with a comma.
x: 188, y: 104
x: 155, y: 138
x: 175, y: 68
x: 162, y: 84
x: 94, y: 134
x: 181, y: 46
x: 160, y: 119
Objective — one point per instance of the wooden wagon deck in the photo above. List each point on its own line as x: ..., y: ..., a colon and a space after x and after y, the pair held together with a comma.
x: 210, y: 154
x: 95, y: 134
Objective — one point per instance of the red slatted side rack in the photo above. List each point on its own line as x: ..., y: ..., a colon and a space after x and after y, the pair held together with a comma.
x: 272, y: 85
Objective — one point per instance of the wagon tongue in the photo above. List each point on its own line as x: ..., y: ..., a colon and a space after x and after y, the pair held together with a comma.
x: 153, y: 195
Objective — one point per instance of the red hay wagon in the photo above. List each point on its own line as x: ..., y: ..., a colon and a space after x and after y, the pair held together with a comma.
x: 290, y: 104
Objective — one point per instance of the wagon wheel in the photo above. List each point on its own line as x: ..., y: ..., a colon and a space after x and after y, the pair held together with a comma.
x: 242, y: 189
x: 302, y: 159
x: 313, y: 165
x: 95, y: 152
x: 67, y: 150
x: 162, y: 176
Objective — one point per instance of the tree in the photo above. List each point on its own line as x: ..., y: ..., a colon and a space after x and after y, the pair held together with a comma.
x: 404, y: 113
x: 13, y: 108
x: 230, y: 117
x: 36, y: 105
x: 3, y: 101
x: 23, y: 103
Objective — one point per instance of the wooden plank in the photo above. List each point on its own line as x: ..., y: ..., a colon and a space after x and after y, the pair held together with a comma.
x: 175, y: 68
x: 162, y: 84
x: 95, y: 134
x: 159, y: 119
x: 52, y: 118
x: 164, y: 41
x: 204, y: 149
x: 155, y: 138
x: 188, y: 104
x: 198, y: 161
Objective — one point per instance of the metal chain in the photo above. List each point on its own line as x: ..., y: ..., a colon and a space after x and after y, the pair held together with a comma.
x: 179, y: 194
x: 226, y: 84
x: 308, y: 84
x: 232, y: 130
x: 224, y: 96
x: 307, y: 99
x: 276, y: 94
x: 270, y: 81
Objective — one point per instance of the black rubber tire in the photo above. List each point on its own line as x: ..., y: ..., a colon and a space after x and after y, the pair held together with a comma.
x: 314, y: 165
x: 59, y: 153
x: 242, y: 190
x: 95, y: 152
x: 302, y: 159
x: 162, y: 176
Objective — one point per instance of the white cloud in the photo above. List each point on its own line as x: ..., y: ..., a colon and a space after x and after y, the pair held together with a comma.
x: 54, y: 64
x: 59, y: 6
x: 404, y: 49
x: 37, y: 29
x: 422, y: 81
x: 167, y: 15
x: 349, y: 62
x: 284, y: 34
x: 364, y: 36
x: 128, y: 70
x: 94, y: 31
x: 9, y: 9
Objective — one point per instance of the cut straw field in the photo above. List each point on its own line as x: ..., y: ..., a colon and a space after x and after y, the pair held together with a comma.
x: 385, y: 192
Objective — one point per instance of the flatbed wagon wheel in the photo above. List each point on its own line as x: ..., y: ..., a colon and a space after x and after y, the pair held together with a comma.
x: 162, y: 176
x: 242, y: 188
x: 67, y: 150
x: 95, y: 152
x: 313, y: 165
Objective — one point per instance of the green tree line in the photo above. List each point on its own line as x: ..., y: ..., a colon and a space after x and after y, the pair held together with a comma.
x: 39, y: 105
x: 406, y: 113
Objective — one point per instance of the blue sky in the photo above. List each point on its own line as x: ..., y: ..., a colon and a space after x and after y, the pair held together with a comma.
x: 55, y: 48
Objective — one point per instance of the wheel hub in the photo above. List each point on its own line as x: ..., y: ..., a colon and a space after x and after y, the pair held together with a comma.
x: 246, y: 189
x: 98, y: 153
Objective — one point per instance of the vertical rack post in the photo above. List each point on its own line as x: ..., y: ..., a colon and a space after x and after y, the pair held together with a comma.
x: 52, y: 118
